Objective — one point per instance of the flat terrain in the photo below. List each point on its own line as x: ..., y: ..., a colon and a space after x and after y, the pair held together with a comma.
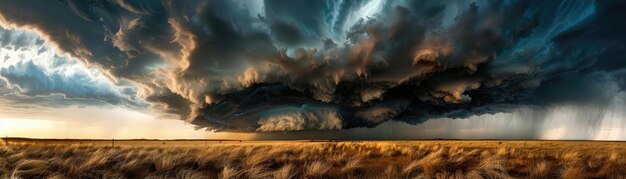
x: 29, y: 158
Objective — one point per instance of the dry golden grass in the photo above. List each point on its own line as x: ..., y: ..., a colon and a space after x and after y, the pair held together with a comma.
x: 299, y: 159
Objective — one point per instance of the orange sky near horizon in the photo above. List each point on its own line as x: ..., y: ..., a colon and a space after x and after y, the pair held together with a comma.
x: 121, y: 123
x: 103, y: 123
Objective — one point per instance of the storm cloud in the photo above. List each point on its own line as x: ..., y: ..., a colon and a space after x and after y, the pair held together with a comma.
x: 329, y: 65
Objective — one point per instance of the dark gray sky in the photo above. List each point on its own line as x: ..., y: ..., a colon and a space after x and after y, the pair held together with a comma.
x: 319, y: 69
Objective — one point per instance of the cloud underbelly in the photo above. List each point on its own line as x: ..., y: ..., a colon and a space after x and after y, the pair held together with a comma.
x: 299, y: 118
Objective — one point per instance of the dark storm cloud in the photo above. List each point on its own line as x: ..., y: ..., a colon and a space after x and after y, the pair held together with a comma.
x: 326, y: 65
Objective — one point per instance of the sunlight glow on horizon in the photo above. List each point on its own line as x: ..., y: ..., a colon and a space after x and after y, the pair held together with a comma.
x: 91, y: 123
x: 120, y: 123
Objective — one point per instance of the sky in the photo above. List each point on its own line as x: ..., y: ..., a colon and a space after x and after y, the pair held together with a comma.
x: 365, y: 69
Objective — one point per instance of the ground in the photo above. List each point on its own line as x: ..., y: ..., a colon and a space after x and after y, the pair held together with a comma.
x: 28, y: 158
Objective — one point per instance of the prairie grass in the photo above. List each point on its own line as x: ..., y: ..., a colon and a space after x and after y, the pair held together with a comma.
x: 383, y: 159
x: 317, y: 169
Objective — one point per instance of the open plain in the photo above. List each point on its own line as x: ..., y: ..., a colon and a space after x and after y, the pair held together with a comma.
x: 30, y: 158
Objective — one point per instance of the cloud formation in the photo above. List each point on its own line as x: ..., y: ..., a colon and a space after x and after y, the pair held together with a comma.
x: 31, y: 70
x: 327, y: 65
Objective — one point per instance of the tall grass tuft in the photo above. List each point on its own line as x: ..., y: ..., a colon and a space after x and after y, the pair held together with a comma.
x: 317, y: 168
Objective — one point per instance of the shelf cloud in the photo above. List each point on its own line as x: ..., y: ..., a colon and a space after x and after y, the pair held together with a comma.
x: 326, y: 65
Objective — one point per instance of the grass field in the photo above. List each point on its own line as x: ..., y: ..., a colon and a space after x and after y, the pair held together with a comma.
x: 25, y: 158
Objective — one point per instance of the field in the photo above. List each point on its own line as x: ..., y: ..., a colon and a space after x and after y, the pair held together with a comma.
x: 25, y: 158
